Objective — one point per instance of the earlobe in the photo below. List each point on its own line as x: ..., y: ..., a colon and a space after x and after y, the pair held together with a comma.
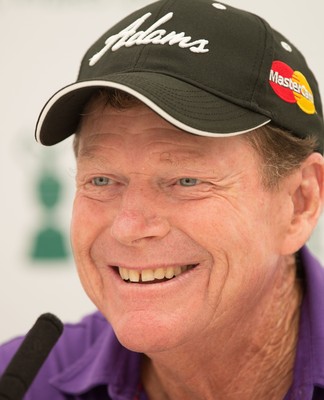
x: 307, y: 196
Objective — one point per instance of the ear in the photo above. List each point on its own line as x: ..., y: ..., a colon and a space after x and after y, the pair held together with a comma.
x: 306, y: 187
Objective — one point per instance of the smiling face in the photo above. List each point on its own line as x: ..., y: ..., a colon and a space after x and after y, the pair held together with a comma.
x: 174, y: 236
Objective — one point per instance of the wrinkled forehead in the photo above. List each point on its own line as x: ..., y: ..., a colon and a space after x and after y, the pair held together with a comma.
x: 126, y: 122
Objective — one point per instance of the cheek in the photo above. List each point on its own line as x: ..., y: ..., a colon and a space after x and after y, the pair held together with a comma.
x: 82, y: 233
x: 85, y: 227
x: 219, y: 224
x: 240, y: 235
x: 89, y: 219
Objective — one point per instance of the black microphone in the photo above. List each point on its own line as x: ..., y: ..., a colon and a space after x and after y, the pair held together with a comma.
x: 29, y: 357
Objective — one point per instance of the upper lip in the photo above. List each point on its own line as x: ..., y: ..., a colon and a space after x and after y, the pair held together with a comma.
x: 139, y: 267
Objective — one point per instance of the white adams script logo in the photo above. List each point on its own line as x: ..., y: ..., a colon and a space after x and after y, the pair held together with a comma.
x: 130, y: 37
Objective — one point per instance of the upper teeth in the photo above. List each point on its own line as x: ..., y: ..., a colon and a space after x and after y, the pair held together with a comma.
x: 149, y: 275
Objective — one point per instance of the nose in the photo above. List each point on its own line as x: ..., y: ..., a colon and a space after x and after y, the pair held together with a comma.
x: 139, y: 218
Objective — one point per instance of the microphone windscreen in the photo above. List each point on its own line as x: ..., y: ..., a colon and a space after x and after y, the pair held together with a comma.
x: 29, y: 357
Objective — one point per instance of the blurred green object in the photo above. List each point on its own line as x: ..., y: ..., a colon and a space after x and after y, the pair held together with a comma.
x: 49, y: 242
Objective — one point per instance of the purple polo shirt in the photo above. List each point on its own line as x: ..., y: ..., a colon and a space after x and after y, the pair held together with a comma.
x: 89, y: 363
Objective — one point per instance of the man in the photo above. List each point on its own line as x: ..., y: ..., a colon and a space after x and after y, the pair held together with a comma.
x: 198, y: 140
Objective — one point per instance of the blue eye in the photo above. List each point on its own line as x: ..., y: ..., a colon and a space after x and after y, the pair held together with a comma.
x: 100, y: 181
x: 188, y: 182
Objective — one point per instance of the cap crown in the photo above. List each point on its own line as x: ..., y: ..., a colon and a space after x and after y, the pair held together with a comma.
x: 211, y: 66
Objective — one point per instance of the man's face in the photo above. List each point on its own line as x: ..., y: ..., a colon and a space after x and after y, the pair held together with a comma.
x: 174, y: 236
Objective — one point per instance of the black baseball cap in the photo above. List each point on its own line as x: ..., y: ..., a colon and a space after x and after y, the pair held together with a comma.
x: 206, y: 67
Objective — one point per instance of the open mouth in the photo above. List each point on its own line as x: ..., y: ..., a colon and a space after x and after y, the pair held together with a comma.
x: 153, y: 275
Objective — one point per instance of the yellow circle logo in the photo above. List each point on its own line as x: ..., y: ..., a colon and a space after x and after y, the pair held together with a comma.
x: 304, y: 96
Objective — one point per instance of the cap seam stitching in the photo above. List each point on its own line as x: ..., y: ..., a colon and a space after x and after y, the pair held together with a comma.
x: 257, y: 82
x: 140, y: 54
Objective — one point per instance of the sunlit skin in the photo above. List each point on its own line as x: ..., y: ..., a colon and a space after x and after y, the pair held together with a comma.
x: 150, y: 196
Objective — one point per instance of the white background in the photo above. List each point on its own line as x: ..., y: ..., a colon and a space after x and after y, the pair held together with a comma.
x: 41, y: 45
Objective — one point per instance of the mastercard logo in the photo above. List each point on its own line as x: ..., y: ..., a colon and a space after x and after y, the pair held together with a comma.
x: 292, y: 86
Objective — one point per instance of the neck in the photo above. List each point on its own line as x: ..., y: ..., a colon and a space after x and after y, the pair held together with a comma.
x: 252, y: 359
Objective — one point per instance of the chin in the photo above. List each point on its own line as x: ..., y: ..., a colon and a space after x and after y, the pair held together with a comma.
x: 145, y: 336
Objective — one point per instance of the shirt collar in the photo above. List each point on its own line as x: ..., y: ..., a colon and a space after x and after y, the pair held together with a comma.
x: 106, y: 362
x: 309, y: 363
